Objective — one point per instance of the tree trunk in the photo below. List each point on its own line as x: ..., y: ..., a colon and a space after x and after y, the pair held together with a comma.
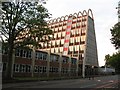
x: 11, y: 54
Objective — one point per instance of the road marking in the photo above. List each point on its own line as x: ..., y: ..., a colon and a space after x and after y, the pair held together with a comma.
x: 111, y: 81
x: 98, y: 80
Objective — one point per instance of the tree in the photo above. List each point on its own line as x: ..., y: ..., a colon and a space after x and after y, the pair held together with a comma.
x: 107, y: 57
x: 24, y: 25
x: 114, y: 61
x: 115, y: 32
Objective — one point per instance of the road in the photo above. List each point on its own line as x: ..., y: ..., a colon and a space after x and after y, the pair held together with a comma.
x: 98, y: 82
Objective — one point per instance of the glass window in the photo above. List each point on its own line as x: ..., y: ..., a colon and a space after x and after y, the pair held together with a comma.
x: 44, y: 69
x: 36, y: 55
x: 58, y: 42
x: 61, y: 49
x: 29, y: 54
x: 22, y: 68
x: 17, y: 52
x: 36, y: 69
x: 40, y: 69
x: 21, y: 53
x: 44, y: 56
x: 71, y: 48
x: 63, y: 34
x: 59, y: 34
x: 28, y: 68
x: 16, y: 67
x: 40, y: 55
x: 24, y: 53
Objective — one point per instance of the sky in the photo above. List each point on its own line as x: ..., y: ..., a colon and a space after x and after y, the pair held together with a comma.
x: 105, y: 16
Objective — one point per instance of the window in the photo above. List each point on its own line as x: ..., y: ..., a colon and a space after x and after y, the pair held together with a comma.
x: 61, y: 49
x: 71, y: 48
x: 40, y: 56
x: 77, y: 39
x: 24, y: 53
x: 22, y: 68
x: 65, y: 59
x: 63, y: 34
x: 16, y: 67
x: 44, y: 56
x: 44, y: 69
x: 40, y: 69
x: 21, y: 53
x: 36, y: 55
x: 72, y: 40
x: 36, y: 69
x: 28, y: 68
x: 28, y: 54
x: 17, y: 52
x: 73, y: 61
x: 56, y: 50
x: 54, y: 57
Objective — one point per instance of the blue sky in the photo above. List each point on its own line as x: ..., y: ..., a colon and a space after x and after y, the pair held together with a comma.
x: 105, y: 16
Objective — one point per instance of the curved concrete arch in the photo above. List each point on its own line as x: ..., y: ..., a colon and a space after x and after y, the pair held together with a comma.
x: 62, y: 18
x: 79, y: 14
x: 66, y: 17
x: 50, y: 21
x: 85, y: 12
x: 54, y: 20
x: 58, y: 19
x: 90, y: 13
x: 75, y: 14
x: 70, y: 15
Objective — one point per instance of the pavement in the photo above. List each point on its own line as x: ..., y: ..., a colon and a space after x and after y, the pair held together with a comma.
x: 93, y: 84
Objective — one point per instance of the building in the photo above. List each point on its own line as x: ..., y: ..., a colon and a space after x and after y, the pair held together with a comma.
x: 118, y: 12
x: 74, y: 35
x: 71, y: 51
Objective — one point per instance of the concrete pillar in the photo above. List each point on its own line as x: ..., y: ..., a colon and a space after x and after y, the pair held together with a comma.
x: 48, y: 63
x: 69, y: 69
x: 77, y: 62
x: 33, y: 62
x: 60, y: 64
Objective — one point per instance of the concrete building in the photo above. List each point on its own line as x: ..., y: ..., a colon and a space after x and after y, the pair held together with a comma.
x: 71, y: 51
x: 74, y: 35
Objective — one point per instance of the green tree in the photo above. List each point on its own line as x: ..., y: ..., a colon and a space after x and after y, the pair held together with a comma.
x: 107, y: 57
x: 115, y: 32
x: 114, y: 61
x: 24, y: 25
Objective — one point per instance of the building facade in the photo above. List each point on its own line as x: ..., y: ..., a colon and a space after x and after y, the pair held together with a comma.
x: 70, y: 52
x: 74, y: 35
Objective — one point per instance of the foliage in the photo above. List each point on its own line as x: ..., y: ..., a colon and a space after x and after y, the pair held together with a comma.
x: 115, y: 32
x: 114, y: 61
x: 107, y: 57
x: 24, y: 25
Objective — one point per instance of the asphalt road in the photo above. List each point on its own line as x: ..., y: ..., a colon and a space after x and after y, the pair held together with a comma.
x: 98, y: 82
